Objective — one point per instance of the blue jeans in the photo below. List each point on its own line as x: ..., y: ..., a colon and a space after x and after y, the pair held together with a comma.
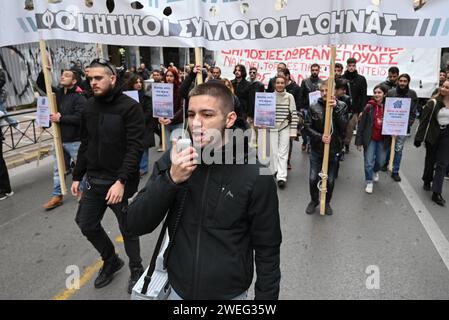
x: 72, y: 149
x: 398, y: 147
x: 316, y: 163
x: 375, y: 157
x: 174, y: 296
x: 10, y: 120
x: 144, y: 162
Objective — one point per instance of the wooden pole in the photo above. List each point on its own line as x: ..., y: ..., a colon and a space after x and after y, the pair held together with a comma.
x: 327, y: 130
x: 390, y: 162
x: 164, y: 142
x: 199, y: 62
x: 55, y: 126
x: 264, y: 143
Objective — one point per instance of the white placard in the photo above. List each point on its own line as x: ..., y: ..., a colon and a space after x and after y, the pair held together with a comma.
x: 134, y: 94
x: 162, y: 94
x: 396, y: 115
x: 265, y: 110
x: 313, y: 97
x: 43, y: 112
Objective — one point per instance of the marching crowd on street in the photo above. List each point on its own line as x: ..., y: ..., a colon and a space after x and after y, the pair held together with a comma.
x: 222, y: 218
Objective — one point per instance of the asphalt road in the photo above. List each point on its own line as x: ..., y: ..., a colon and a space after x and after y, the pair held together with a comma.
x: 396, y: 231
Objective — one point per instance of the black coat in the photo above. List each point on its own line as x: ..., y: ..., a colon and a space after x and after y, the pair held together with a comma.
x: 241, y: 91
x: 357, y: 90
x: 229, y: 220
x: 70, y: 105
x: 147, y: 108
x: 429, y: 128
x: 295, y: 91
x: 307, y: 86
x: 253, y: 87
x: 112, y: 131
x: 365, y: 126
x: 314, y: 125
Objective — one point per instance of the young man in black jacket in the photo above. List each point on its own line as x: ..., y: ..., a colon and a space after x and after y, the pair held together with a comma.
x: 229, y: 209
x: 403, y: 91
x: 314, y: 124
x: 70, y: 103
x: 112, y: 130
x: 357, y: 90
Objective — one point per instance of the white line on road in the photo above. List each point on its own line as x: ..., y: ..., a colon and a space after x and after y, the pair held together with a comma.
x: 439, y: 240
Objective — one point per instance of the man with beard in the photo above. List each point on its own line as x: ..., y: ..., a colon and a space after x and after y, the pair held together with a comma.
x: 241, y: 85
x: 392, y: 81
x: 221, y: 215
x: 403, y: 91
x: 112, y: 131
x: 357, y: 90
x: 308, y: 86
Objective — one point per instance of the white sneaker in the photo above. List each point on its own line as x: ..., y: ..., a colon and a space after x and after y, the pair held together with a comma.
x: 376, y: 177
x: 10, y: 194
x: 369, y: 187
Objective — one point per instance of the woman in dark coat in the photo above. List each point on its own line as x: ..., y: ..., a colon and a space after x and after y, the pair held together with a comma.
x: 433, y: 130
x: 136, y: 83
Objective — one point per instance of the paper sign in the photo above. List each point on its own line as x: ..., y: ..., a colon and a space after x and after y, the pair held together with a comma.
x: 265, y: 110
x: 162, y: 94
x: 313, y: 97
x: 132, y: 94
x: 43, y: 112
x: 396, y: 115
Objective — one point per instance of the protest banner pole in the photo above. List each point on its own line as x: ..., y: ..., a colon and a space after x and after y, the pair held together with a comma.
x: 199, y: 62
x: 53, y: 109
x: 264, y: 143
x: 390, y: 162
x: 327, y: 130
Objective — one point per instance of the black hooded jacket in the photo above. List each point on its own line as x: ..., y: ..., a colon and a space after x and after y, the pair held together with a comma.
x: 357, y: 90
x: 112, y: 129
x: 70, y: 105
x: 229, y: 219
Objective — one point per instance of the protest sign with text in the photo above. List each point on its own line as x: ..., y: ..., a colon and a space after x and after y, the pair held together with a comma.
x: 265, y: 110
x: 43, y: 112
x: 396, y: 116
x: 162, y: 95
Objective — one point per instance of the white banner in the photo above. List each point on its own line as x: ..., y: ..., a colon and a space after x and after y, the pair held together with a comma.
x: 422, y: 65
x: 222, y: 24
x: 396, y: 114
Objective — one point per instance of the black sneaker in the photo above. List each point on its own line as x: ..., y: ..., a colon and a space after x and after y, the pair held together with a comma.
x: 328, y: 210
x: 281, y: 184
x: 384, y: 168
x: 438, y: 199
x: 106, y: 273
x: 346, y: 148
x: 311, y: 207
x: 136, y: 273
x: 426, y: 186
x: 396, y: 177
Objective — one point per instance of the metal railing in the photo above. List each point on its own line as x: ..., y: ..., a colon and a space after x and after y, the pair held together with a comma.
x: 22, y: 133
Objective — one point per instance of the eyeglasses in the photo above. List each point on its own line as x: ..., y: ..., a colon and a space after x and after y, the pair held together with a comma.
x: 253, y: 72
x: 103, y: 62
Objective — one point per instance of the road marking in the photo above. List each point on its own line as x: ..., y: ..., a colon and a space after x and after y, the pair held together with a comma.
x: 89, y: 272
x: 439, y: 240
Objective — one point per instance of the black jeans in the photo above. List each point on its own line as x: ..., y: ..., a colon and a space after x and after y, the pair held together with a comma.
x: 441, y: 160
x: 316, y: 163
x: 429, y: 163
x: 5, y: 185
x: 90, y: 213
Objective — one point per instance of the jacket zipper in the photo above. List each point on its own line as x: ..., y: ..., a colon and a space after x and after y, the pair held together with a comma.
x: 198, y: 238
